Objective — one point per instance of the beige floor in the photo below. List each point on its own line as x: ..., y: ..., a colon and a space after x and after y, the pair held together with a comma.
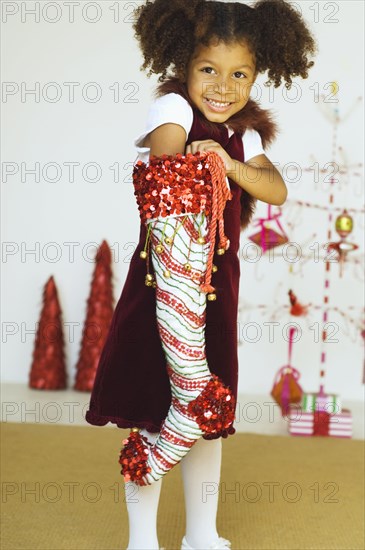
x: 62, y: 489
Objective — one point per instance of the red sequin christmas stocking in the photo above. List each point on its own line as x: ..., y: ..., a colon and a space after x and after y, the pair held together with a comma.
x: 181, y: 245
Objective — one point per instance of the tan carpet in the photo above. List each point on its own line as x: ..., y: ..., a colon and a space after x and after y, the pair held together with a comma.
x: 61, y: 489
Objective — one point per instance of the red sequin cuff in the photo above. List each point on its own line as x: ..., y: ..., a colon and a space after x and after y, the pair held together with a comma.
x: 173, y: 185
x: 177, y: 185
x: 214, y: 408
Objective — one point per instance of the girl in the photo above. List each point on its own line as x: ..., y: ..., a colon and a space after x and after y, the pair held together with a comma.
x: 169, y: 367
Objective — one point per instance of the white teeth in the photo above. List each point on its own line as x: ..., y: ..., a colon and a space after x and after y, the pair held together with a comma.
x: 218, y: 104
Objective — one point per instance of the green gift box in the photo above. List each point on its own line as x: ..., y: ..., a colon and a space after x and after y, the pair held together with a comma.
x: 321, y: 401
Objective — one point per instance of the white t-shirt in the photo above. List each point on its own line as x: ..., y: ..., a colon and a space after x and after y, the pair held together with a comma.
x: 175, y: 109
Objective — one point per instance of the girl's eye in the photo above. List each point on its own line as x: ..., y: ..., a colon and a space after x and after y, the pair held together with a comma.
x: 207, y: 68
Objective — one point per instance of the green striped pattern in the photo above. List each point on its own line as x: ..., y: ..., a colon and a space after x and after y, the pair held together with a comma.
x: 182, y: 332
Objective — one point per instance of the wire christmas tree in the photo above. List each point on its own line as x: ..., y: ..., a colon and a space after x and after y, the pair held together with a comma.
x: 273, y: 237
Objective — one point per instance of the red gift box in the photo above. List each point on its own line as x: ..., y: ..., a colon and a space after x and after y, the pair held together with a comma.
x: 319, y: 423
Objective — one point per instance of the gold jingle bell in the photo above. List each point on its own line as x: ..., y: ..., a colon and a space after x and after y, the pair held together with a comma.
x: 143, y: 254
x: 159, y: 249
x: 220, y: 251
x: 154, y: 284
x: 135, y: 429
x: 167, y: 273
x: 168, y: 240
x: 214, y: 268
x: 187, y: 267
x: 212, y: 297
x: 201, y: 240
x: 148, y: 279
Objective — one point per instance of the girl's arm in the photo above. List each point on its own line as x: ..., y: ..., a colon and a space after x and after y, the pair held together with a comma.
x: 167, y: 139
x: 259, y: 178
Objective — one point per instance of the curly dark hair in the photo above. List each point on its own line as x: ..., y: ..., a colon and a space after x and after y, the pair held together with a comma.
x: 169, y: 31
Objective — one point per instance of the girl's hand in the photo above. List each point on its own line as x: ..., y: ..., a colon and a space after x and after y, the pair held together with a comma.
x: 210, y: 145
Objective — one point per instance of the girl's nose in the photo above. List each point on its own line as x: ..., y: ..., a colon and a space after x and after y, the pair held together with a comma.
x: 228, y: 90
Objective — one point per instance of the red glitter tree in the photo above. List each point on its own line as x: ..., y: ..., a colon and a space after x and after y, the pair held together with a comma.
x: 48, y: 369
x: 100, y: 308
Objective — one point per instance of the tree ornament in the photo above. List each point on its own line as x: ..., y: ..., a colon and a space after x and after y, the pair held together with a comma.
x: 297, y: 308
x: 344, y: 225
x: 286, y: 388
x: 268, y: 237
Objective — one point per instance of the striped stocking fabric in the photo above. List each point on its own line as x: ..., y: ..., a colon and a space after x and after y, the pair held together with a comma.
x: 181, y: 313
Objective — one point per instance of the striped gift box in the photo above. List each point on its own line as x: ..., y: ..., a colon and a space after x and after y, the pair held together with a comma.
x: 321, y: 401
x: 319, y: 423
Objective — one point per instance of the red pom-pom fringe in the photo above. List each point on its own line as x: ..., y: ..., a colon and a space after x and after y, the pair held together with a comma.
x: 214, y: 408
x: 224, y: 433
x: 133, y: 458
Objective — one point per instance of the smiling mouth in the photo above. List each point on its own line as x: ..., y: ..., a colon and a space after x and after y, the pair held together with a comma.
x: 217, y: 104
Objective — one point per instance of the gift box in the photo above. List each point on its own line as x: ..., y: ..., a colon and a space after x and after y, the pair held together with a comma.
x: 321, y: 401
x: 319, y: 423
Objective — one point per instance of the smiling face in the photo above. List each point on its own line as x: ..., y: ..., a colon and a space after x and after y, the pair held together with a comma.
x: 219, y: 79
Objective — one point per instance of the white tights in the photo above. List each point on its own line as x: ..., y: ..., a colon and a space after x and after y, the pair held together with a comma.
x: 200, y: 470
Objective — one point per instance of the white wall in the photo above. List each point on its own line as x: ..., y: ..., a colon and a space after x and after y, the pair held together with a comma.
x: 37, y: 211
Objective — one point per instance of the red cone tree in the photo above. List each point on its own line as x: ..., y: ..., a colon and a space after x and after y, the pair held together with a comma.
x: 100, y: 308
x: 48, y: 369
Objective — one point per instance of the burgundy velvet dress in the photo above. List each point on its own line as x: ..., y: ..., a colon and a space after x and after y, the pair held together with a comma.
x: 131, y: 387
